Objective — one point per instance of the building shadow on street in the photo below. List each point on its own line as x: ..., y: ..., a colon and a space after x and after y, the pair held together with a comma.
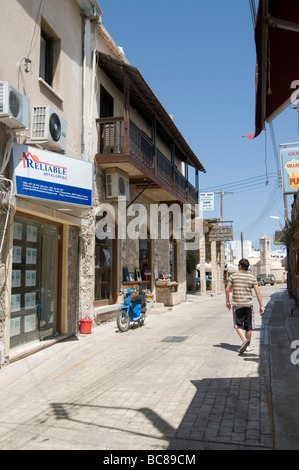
x: 225, y: 413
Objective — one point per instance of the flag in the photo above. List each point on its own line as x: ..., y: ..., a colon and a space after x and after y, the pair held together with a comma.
x: 250, y: 136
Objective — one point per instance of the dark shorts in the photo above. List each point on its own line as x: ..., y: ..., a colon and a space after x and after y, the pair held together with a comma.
x: 243, y: 318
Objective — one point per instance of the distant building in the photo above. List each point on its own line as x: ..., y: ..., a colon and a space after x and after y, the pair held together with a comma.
x: 265, y: 257
x: 263, y: 261
x: 235, y: 250
x: 279, y: 254
x: 87, y: 134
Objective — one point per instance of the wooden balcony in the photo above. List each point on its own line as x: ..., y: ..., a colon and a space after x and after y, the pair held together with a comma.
x: 128, y: 148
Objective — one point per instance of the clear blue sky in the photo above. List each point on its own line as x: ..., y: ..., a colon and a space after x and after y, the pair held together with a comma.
x: 199, y: 58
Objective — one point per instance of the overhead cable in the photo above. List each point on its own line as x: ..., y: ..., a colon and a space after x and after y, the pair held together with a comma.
x: 241, y: 183
x: 253, y: 11
x: 272, y: 202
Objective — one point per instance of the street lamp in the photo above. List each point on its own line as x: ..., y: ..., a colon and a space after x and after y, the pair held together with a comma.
x: 277, y: 233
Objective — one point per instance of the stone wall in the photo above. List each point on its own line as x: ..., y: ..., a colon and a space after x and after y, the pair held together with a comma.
x: 73, y: 263
x: 4, y: 286
x: 128, y: 249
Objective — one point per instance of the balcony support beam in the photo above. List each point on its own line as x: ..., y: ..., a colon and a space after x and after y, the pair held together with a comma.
x: 154, y: 140
x: 140, y: 154
x: 139, y: 194
x: 127, y: 86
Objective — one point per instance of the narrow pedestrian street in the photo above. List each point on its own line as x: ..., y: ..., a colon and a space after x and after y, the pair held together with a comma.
x: 177, y: 383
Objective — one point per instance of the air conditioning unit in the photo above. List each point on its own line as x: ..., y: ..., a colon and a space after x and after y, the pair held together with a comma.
x: 14, y: 107
x: 117, y: 185
x: 48, y: 128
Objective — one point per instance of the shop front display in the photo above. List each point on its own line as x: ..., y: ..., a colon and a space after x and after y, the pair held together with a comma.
x: 45, y: 184
x: 34, y: 283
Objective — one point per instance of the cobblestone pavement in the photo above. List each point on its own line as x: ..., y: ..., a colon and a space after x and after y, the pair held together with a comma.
x: 177, y: 383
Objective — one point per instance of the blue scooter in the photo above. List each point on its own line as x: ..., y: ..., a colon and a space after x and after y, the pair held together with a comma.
x: 132, y: 310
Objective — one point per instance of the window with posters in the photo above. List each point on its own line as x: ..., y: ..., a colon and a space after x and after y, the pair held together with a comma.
x: 34, y: 284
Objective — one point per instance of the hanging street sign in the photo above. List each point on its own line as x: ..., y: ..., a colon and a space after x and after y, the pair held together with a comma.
x: 290, y: 170
x: 207, y: 201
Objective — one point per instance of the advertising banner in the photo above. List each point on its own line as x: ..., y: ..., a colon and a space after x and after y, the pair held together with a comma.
x: 207, y: 201
x: 220, y: 232
x: 290, y: 170
x: 278, y: 238
x: 52, y: 176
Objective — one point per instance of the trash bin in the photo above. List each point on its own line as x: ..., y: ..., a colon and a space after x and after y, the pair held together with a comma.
x: 85, y: 326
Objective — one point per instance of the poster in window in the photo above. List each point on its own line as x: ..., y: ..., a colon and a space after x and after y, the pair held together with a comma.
x: 29, y: 300
x: 31, y: 233
x: 15, y: 303
x: 15, y: 326
x: 17, y: 231
x: 29, y: 324
x: 17, y: 254
x: 30, y: 278
x: 31, y: 255
x: 16, y: 278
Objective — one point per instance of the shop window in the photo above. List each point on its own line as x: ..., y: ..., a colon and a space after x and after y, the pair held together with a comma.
x: 145, y: 262
x: 173, y: 259
x: 35, y: 280
x: 105, y: 258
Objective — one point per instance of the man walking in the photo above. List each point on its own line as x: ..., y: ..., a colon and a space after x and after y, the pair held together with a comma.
x: 241, y: 285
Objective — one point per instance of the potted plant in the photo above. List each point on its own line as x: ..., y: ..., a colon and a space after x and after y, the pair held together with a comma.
x: 191, y: 263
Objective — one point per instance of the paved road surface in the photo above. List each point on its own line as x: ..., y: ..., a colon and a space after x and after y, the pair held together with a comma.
x: 176, y: 383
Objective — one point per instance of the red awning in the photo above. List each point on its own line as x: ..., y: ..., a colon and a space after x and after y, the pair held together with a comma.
x: 277, y: 67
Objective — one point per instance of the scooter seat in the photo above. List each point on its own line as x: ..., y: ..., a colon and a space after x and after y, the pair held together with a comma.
x: 138, y: 299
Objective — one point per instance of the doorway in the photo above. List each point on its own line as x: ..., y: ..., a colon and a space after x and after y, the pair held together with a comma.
x: 106, y: 103
x: 145, y: 262
x: 173, y: 270
x: 34, y: 314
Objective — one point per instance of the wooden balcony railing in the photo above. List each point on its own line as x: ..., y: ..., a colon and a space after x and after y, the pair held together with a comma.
x: 113, y: 138
x: 110, y: 135
x: 141, y: 147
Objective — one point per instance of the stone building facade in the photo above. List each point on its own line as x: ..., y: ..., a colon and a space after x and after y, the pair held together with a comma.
x: 210, y: 255
x: 99, y: 119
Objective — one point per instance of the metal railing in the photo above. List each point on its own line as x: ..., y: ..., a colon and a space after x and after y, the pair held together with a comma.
x: 112, y: 140
x: 141, y: 147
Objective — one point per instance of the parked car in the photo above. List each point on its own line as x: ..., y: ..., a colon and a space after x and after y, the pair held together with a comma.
x: 264, y: 279
x: 208, y: 278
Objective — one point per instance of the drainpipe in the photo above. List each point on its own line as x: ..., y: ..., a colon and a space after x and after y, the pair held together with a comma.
x: 92, y: 93
x: 79, y: 254
x: 93, y: 18
x: 84, y: 19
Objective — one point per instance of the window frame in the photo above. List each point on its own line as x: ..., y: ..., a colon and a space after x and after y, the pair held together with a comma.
x: 50, y: 52
x: 46, y: 71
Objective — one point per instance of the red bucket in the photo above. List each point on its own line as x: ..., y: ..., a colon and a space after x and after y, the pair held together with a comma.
x: 85, y: 326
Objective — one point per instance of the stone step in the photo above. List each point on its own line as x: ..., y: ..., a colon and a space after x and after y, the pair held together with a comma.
x: 158, y: 308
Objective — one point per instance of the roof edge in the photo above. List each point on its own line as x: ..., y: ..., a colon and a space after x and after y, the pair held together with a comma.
x: 160, y: 108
